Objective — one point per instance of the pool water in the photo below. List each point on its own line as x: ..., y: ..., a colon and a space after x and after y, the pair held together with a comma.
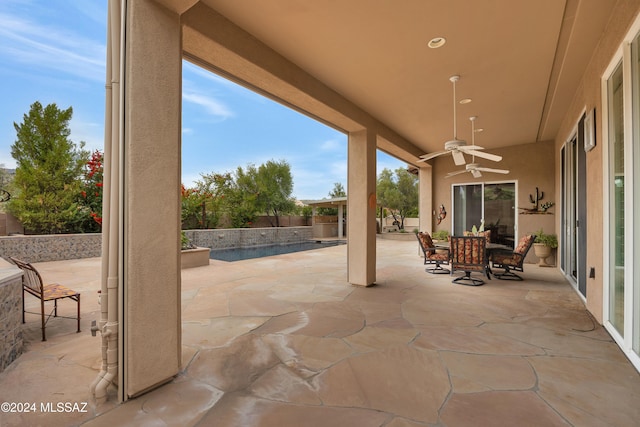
x: 237, y: 254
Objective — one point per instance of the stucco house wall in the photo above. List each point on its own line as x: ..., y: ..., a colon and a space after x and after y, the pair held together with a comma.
x: 530, y: 165
x: 587, y: 97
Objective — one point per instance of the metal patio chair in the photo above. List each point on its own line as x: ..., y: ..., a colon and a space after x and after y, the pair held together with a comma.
x: 431, y: 254
x: 512, y: 260
x: 33, y: 284
x: 469, y: 254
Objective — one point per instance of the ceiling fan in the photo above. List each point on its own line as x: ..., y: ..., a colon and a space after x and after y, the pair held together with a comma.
x: 458, y: 147
x: 474, y: 167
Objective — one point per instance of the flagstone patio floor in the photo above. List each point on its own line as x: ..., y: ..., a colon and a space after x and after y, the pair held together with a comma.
x: 285, y: 341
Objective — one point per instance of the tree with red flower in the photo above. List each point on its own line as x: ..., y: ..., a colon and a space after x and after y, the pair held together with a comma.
x: 91, y: 194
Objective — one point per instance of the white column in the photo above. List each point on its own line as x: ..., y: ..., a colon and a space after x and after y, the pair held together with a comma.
x: 340, y: 224
x: 361, y: 205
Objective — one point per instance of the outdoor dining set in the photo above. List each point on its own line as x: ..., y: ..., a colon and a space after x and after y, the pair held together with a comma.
x: 474, y: 253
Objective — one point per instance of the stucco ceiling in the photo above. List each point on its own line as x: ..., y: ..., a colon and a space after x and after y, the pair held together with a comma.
x: 520, y: 61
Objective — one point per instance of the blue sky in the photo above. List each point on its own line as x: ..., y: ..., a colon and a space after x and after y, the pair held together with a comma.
x: 53, y: 51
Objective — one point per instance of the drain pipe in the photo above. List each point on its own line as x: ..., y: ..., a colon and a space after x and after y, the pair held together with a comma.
x: 108, y: 325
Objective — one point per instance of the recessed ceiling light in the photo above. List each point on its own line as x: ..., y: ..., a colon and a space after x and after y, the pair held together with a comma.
x: 437, y: 42
x: 465, y: 101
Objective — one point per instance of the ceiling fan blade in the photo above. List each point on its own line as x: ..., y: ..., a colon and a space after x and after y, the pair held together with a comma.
x: 487, y: 156
x: 430, y: 156
x: 458, y: 157
x: 469, y: 148
x: 504, y: 171
x: 476, y: 173
x: 450, y: 174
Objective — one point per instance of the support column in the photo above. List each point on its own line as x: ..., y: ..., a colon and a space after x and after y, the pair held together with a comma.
x: 151, y: 159
x: 425, y: 203
x: 340, y: 224
x: 361, y: 205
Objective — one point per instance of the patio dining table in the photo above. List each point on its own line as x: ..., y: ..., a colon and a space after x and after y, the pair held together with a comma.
x: 489, y: 248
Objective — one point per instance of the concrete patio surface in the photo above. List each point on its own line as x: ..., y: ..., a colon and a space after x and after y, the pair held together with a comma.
x: 285, y: 341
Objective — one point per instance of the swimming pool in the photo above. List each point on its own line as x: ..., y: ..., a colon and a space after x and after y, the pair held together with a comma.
x: 237, y: 254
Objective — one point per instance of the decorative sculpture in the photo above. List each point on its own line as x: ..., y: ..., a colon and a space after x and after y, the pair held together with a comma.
x: 535, y: 201
x: 442, y: 214
x: 539, y: 196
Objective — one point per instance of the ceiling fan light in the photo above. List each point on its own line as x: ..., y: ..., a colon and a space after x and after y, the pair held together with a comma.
x: 436, y: 42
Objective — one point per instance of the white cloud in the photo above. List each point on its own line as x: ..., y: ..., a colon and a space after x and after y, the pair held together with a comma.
x: 189, y: 179
x: 7, y: 161
x: 193, y: 72
x: 96, y: 11
x: 48, y: 47
x: 91, y: 133
x: 332, y: 145
x: 210, y: 105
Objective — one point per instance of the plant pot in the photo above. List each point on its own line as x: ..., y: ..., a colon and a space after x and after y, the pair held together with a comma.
x: 543, y: 252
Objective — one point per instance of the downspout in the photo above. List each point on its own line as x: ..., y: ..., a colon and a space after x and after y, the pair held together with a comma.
x: 108, y: 325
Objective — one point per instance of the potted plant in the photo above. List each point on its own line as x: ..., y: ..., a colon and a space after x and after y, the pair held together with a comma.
x: 543, y: 246
x: 440, y: 235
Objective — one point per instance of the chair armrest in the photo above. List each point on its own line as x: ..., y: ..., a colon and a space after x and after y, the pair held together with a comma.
x: 503, y: 252
x: 516, y: 256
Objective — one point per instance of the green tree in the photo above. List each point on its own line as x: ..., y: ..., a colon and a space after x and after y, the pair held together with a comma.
x: 5, y: 186
x: 398, y: 193
x: 48, y: 172
x: 337, y: 191
x: 5, y: 177
x: 236, y: 202
x: 274, y: 185
x: 253, y: 190
x: 202, y: 205
x: 243, y: 197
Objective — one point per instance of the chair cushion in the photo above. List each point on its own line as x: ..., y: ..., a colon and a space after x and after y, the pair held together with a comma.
x: 56, y: 291
x: 438, y: 256
x: 426, y: 240
x: 506, y: 259
x: 523, y: 244
x: 468, y: 256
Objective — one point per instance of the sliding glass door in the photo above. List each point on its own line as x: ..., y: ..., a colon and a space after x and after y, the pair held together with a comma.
x: 621, y: 131
x: 467, y: 207
x: 616, y: 183
x: 494, y: 202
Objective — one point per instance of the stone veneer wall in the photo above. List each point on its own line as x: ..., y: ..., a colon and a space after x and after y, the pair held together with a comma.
x: 51, y: 247
x: 57, y: 247
x: 243, y: 237
x: 11, y: 341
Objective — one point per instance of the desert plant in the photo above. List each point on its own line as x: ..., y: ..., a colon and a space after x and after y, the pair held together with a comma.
x: 440, y: 235
x: 550, y: 240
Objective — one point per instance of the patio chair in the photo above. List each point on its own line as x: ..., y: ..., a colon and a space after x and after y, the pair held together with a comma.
x: 432, y: 256
x: 33, y: 284
x: 512, y: 260
x: 469, y: 254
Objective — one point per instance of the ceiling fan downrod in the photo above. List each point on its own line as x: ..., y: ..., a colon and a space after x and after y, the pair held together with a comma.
x: 453, y: 80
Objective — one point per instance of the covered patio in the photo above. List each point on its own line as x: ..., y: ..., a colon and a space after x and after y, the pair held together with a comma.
x: 281, y: 341
x: 552, y: 82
